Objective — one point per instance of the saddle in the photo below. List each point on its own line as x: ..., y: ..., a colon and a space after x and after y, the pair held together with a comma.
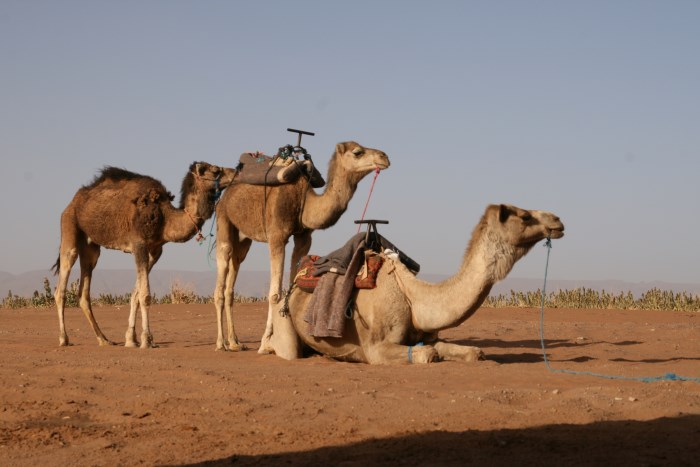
x: 309, y: 276
x: 333, y: 278
x: 312, y: 267
x: 259, y: 169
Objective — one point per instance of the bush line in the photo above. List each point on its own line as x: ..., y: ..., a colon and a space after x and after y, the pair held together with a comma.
x: 653, y: 299
x: 179, y: 294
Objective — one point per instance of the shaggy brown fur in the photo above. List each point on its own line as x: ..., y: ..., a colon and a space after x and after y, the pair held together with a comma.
x: 125, y: 211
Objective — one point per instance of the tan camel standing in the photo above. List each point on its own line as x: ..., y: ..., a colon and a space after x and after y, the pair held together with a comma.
x: 133, y: 213
x: 403, y: 311
x: 273, y: 215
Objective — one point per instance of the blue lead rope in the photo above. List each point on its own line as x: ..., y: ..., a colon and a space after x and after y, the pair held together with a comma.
x: 643, y: 379
x: 410, y: 351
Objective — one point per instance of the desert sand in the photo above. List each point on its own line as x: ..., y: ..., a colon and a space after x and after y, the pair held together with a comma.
x: 183, y: 403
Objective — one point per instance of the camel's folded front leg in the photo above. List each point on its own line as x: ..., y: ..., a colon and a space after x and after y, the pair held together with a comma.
x: 458, y: 353
x: 386, y: 352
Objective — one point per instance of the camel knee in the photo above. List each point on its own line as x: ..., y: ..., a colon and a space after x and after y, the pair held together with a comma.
x: 84, y: 303
x: 145, y: 299
x: 70, y: 256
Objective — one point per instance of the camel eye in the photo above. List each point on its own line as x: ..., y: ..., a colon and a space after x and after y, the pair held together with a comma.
x: 527, y: 217
x: 357, y: 152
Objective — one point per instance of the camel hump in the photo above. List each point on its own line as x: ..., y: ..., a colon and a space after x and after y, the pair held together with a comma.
x: 132, y: 184
x: 259, y: 169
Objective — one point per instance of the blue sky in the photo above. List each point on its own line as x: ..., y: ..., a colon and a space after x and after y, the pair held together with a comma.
x: 587, y: 109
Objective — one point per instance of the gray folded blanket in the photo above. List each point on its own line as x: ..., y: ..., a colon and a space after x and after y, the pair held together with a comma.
x: 326, y: 311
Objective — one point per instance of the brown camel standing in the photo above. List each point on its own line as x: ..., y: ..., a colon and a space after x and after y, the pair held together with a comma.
x: 133, y: 213
x: 273, y: 215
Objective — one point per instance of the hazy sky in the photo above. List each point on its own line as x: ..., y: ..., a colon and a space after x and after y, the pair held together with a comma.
x: 589, y: 109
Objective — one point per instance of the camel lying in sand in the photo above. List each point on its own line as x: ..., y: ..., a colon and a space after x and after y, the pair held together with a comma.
x: 399, y: 320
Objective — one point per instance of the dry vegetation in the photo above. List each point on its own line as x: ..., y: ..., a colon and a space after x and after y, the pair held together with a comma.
x: 179, y: 294
x: 653, y: 299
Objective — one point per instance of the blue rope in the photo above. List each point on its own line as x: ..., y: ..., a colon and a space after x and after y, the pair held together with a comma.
x: 410, y: 351
x: 212, y: 243
x: 643, y: 379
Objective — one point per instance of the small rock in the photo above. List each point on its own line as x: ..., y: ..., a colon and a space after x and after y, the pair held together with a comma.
x: 632, y: 399
x: 556, y: 391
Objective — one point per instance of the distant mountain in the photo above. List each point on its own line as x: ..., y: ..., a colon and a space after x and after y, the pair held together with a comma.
x: 256, y: 283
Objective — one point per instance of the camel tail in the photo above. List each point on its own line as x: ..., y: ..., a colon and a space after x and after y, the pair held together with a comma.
x: 56, y: 267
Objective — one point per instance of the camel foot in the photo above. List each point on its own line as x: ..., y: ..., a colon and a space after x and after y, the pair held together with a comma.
x: 147, y: 341
x: 63, y: 342
x: 237, y: 347
x: 474, y: 355
x: 265, y: 349
x: 104, y: 342
x: 130, y: 338
x: 424, y: 354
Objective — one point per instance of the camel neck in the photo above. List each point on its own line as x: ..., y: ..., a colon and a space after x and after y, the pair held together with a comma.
x: 448, y: 303
x: 324, y: 210
x: 182, y: 224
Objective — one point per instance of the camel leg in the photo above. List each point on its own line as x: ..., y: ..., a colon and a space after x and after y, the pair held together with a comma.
x: 88, y: 261
x: 229, y: 257
x: 130, y: 337
x: 136, y: 300
x: 285, y: 341
x: 145, y: 298
x: 223, y: 261
x: 458, y: 353
x: 275, y: 294
x: 66, y: 259
x: 302, y: 245
x: 387, y: 352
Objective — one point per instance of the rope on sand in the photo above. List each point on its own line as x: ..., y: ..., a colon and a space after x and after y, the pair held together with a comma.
x: 643, y: 379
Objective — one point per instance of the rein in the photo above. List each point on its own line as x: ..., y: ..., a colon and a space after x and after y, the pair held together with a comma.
x: 371, y: 188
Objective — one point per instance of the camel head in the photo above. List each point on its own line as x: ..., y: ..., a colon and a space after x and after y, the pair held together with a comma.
x: 522, y: 228
x: 359, y: 160
x: 203, y: 177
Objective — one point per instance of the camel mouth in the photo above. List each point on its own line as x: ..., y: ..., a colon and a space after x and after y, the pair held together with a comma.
x: 556, y: 233
x: 381, y: 163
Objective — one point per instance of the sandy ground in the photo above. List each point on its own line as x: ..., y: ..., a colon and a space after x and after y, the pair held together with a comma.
x: 184, y: 403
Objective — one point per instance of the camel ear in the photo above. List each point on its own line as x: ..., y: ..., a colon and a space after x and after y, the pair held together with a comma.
x: 503, y: 213
x: 340, y: 148
x: 198, y: 168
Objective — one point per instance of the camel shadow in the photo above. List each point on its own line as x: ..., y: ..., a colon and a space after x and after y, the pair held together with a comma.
x: 536, y: 343
x: 654, y: 360
x: 624, y: 442
x: 533, y: 357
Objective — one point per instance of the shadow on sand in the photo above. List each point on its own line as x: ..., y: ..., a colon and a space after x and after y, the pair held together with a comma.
x: 664, y: 441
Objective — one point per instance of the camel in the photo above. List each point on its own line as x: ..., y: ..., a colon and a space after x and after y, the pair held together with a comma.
x: 121, y: 210
x: 275, y: 214
x: 399, y: 320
